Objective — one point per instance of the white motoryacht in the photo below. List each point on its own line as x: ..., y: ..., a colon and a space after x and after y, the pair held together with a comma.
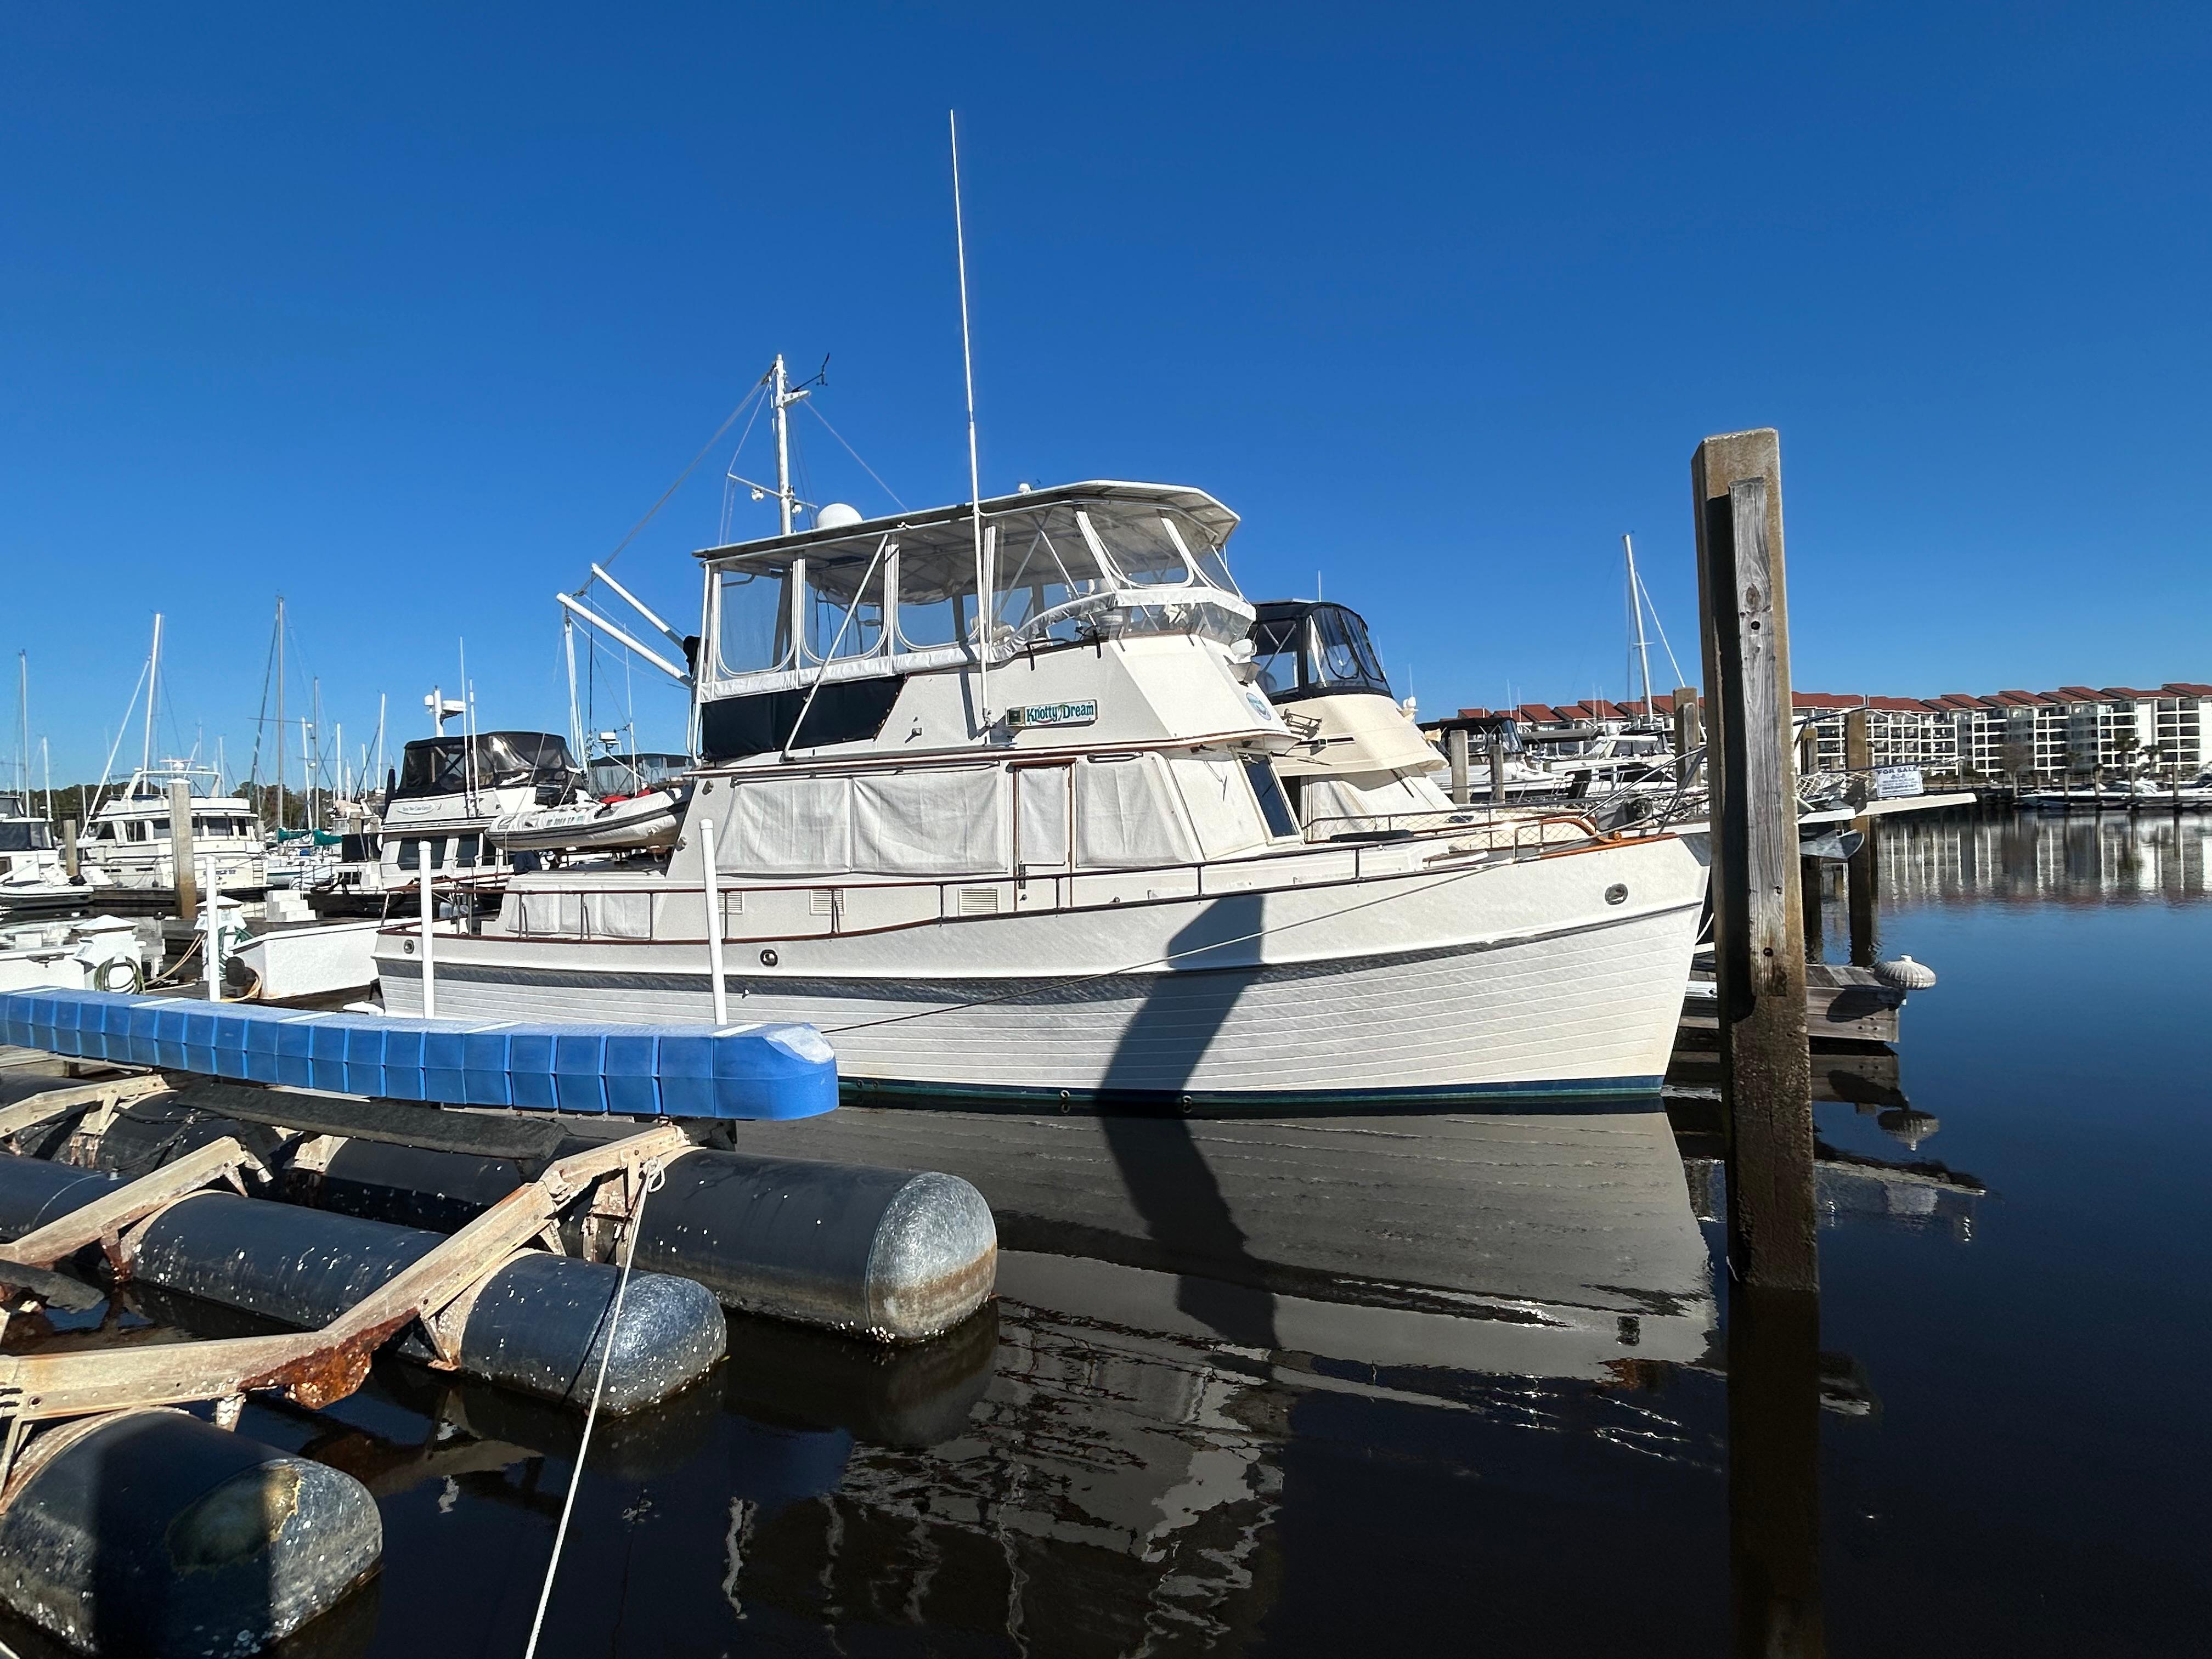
x: 440, y: 802
x: 127, y: 842
x: 29, y: 856
x: 1051, y: 856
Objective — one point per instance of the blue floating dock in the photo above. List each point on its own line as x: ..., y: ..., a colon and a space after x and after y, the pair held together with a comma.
x: 633, y: 1070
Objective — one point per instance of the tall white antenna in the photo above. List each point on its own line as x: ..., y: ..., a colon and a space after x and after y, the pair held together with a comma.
x: 975, y: 476
x: 1636, y: 603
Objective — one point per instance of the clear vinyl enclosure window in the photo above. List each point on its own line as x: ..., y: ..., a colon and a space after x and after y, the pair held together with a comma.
x: 752, y: 621
x: 844, y: 603
x: 1041, y: 560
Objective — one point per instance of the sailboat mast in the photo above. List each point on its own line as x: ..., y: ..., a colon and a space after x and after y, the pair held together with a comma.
x: 1636, y: 605
x: 153, y: 689
x: 280, y: 711
x: 23, y: 702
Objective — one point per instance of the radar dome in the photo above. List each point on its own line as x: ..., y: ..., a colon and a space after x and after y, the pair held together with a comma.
x: 836, y: 516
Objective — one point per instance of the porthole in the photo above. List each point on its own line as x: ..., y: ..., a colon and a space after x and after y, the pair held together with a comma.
x: 1617, y: 894
x: 768, y: 958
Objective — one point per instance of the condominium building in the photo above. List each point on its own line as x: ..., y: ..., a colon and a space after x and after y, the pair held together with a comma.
x: 2036, y: 736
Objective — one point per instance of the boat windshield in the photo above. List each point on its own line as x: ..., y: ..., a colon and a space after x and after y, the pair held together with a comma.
x: 492, y: 760
x: 33, y: 837
x: 1303, y: 649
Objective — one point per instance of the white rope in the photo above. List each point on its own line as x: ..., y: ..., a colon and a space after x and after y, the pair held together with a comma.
x: 655, y: 1178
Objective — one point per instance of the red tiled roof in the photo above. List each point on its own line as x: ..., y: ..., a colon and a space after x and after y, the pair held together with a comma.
x: 2188, y: 689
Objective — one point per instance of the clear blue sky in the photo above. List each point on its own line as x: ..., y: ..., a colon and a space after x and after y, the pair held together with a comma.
x: 410, y: 312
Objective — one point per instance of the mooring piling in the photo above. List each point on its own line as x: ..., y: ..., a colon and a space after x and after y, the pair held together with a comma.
x: 183, y: 872
x: 1758, y: 922
x: 1865, y: 870
x: 69, y: 848
x: 1455, y: 751
x: 1689, y: 734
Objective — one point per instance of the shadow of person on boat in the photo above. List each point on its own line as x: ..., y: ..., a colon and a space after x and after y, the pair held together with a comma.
x: 1145, y: 1094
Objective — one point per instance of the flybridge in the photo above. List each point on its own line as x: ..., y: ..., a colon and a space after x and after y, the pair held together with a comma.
x: 899, y: 595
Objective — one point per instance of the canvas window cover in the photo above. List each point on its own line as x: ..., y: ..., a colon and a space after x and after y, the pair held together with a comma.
x: 1042, y: 803
x: 1220, y: 806
x: 1125, y: 820
x: 936, y: 823
x: 787, y: 826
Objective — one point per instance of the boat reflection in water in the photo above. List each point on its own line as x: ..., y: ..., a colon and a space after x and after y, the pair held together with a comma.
x: 1161, y: 1438
x: 1994, y: 856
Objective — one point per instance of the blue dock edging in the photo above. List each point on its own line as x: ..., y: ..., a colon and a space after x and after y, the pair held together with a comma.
x: 634, y: 1071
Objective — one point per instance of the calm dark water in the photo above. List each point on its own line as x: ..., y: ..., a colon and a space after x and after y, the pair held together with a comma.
x: 2012, y: 1458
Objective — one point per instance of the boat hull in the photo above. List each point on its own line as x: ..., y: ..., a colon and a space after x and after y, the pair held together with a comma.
x: 1523, y: 981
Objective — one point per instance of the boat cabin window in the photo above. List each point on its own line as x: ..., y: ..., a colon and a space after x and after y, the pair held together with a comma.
x: 752, y: 620
x: 936, y: 596
x: 357, y: 849
x: 26, y: 837
x: 1267, y: 789
x: 845, y: 605
x: 1277, y: 645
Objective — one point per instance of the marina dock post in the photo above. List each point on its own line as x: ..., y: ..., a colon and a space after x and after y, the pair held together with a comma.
x: 1455, y: 751
x: 183, y: 873
x: 1865, y: 870
x: 1497, y: 767
x: 1758, y: 919
x: 1759, y: 937
x: 69, y: 849
x: 1689, y: 732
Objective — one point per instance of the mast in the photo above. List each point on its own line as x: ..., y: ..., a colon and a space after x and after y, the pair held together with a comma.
x: 153, y: 687
x: 575, y: 715
x: 23, y: 702
x: 1636, y: 605
x: 975, y: 483
x: 280, y: 711
x: 780, y: 393
x: 379, y: 779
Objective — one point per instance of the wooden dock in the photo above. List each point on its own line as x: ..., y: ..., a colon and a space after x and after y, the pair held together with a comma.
x: 1842, y: 1004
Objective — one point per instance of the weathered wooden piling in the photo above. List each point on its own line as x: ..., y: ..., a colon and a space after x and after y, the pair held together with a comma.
x: 1689, y: 732
x: 1759, y: 925
x: 1497, y: 765
x: 185, y: 872
x: 1455, y: 751
x: 1862, y: 882
x: 69, y: 848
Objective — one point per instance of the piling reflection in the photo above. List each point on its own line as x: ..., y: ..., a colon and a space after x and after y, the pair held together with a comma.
x: 1774, y: 1471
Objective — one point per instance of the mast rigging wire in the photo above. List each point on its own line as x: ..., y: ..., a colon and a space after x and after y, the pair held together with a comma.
x: 688, y: 468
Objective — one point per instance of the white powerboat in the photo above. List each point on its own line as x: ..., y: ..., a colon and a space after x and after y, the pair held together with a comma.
x: 127, y: 842
x: 444, y: 798
x: 1052, y: 855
